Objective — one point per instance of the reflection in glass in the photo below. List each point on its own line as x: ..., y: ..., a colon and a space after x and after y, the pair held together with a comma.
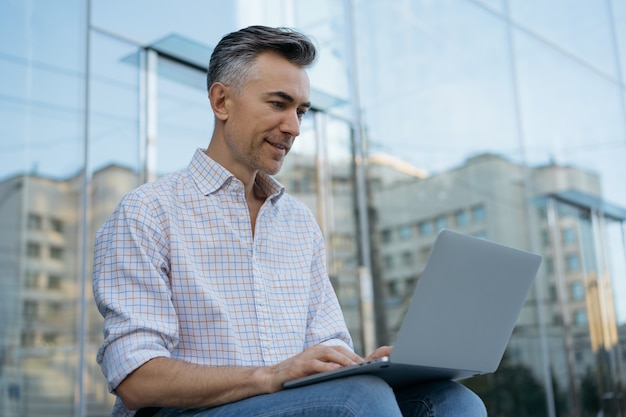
x: 459, y: 117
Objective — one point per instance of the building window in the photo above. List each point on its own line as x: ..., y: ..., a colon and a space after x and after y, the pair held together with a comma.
x: 389, y: 262
x: 580, y: 318
x: 478, y: 213
x: 425, y: 227
x: 424, y: 253
x: 573, y: 263
x: 578, y: 291
x: 54, y: 307
x: 460, y: 218
x: 29, y: 311
x: 34, y: 222
x: 28, y: 339
x: 50, y: 339
x: 56, y: 252
x: 409, y: 284
x: 549, y: 265
x: 56, y: 225
x: 569, y: 236
x: 405, y: 232
x: 33, y: 250
x: 552, y: 296
x: 578, y: 356
x: 393, y: 294
x: 387, y: 236
x: 440, y: 222
x: 407, y: 258
x: 392, y: 289
x: 32, y: 280
x: 54, y: 282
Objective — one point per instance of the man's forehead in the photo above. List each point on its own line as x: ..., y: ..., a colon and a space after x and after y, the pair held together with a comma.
x: 274, y: 76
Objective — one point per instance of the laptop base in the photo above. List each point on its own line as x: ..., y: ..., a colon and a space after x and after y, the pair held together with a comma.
x: 395, y: 374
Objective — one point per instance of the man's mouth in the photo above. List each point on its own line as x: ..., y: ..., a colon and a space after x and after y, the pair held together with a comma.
x: 278, y: 145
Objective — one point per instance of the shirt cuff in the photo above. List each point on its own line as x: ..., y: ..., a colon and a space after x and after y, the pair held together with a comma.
x: 122, y: 356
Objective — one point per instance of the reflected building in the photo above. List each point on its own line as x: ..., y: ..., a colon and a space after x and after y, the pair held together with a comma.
x: 39, y: 257
x: 484, y: 197
x: 41, y: 295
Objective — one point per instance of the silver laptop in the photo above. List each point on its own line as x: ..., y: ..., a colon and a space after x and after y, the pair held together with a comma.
x: 461, y: 316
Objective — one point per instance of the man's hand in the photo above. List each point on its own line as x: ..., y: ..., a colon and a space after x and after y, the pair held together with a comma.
x: 316, y: 359
x: 379, y: 353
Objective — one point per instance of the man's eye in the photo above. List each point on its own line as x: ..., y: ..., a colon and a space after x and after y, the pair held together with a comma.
x: 301, y: 113
x: 278, y: 104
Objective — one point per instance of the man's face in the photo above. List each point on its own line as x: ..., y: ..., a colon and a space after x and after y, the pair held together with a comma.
x: 264, y: 119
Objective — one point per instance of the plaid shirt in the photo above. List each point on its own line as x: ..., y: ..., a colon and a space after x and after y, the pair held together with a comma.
x: 178, y: 273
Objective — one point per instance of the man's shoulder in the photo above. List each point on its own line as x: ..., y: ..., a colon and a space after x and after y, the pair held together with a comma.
x: 163, y: 192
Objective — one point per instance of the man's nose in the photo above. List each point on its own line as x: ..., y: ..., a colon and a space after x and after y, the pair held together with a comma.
x: 291, y: 124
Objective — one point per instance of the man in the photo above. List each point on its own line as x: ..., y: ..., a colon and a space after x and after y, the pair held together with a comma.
x: 212, y: 281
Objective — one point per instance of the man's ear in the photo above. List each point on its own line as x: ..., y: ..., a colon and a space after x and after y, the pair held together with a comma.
x: 218, y: 96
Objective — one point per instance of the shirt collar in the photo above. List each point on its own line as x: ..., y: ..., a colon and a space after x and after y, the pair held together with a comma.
x: 210, y: 176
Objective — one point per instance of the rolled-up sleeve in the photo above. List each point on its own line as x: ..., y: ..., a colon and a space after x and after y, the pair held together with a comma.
x: 132, y: 289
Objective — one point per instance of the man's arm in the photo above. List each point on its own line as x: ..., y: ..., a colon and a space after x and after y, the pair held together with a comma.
x: 166, y: 382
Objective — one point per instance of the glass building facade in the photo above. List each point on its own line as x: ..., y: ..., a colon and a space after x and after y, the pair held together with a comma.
x: 505, y: 119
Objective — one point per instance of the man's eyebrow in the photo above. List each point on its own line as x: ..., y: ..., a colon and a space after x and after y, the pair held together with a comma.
x: 289, y: 98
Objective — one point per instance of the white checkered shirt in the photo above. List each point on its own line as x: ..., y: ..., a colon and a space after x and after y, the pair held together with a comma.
x: 178, y: 273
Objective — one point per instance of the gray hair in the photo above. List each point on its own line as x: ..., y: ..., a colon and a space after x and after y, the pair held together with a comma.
x: 232, y: 59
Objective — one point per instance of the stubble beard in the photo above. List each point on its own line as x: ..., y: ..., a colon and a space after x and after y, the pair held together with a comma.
x: 254, y: 157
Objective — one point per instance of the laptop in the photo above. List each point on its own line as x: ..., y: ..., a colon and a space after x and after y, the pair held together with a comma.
x: 461, y: 315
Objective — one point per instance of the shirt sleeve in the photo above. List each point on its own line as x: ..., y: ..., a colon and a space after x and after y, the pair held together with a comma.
x: 132, y: 289
x: 326, y: 323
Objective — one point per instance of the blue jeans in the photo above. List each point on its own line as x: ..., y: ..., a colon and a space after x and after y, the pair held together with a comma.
x: 357, y: 396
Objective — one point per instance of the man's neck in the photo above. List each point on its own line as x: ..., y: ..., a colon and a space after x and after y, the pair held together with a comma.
x: 254, y: 194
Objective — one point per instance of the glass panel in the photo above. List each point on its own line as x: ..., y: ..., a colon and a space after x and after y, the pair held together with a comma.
x: 114, y: 104
x: 41, y: 92
x: 602, y: 268
x: 115, y: 131
x: 41, y: 162
x: 325, y: 22
x: 485, y: 124
x: 146, y: 21
x: 185, y: 119
x: 619, y: 17
x: 616, y: 248
x: 496, y: 5
x: 573, y: 119
x: 578, y: 27
x: 571, y: 115
x: 450, y: 94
